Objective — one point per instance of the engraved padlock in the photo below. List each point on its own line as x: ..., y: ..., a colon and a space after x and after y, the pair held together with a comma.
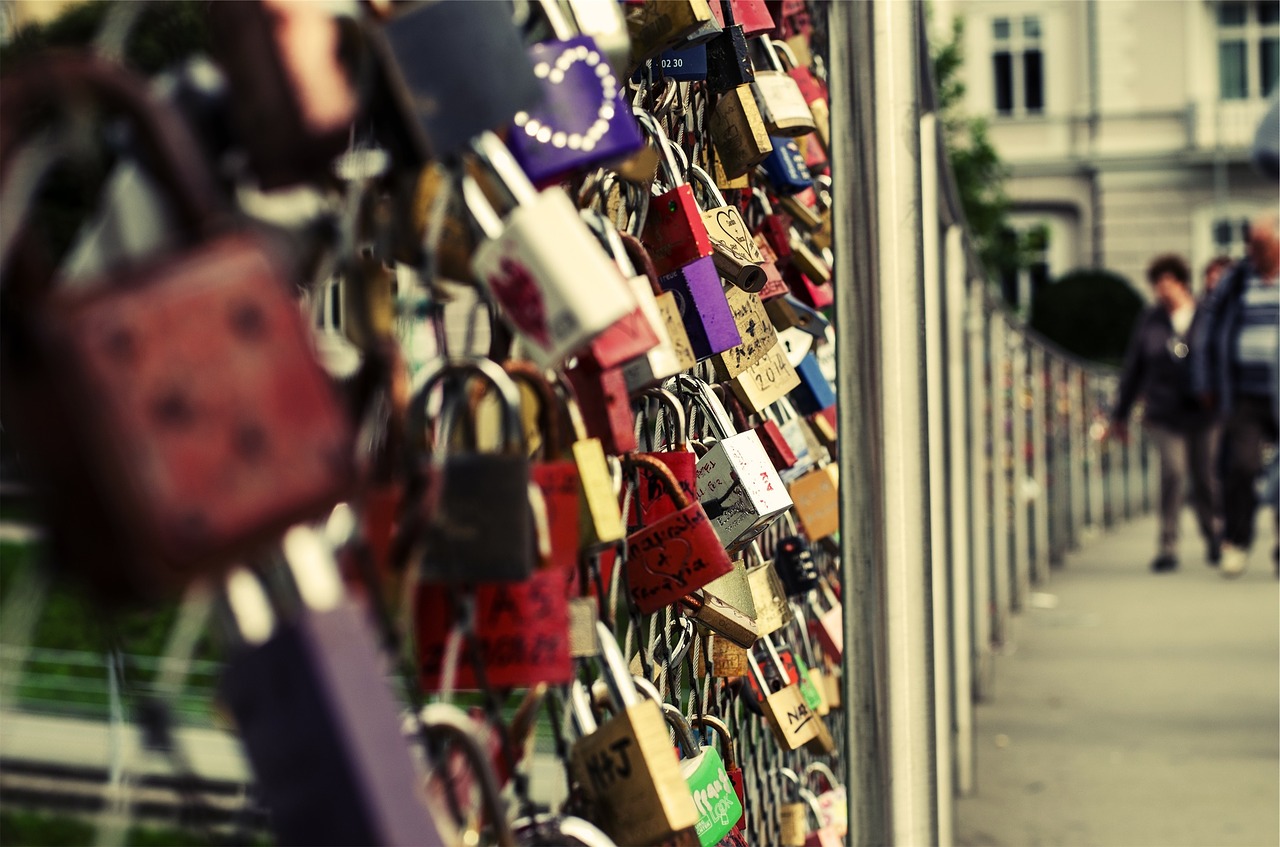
x: 721, y: 730
x: 768, y: 594
x: 738, y: 131
x: 735, y: 252
x: 782, y: 106
x: 790, y: 719
x: 713, y: 791
x: 553, y: 281
x: 785, y: 168
x: 767, y: 381
x: 758, y: 335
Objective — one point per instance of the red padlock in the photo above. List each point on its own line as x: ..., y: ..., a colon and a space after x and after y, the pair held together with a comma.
x: 674, y: 233
x: 675, y: 556
x: 652, y: 502
x: 606, y: 405
x: 828, y: 625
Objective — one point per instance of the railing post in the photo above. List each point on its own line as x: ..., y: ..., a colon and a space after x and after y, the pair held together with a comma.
x: 1000, y: 474
x: 1078, y: 452
x: 1097, y: 473
x: 1018, y: 480
x: 981, y: 446
x: 1042, y: 433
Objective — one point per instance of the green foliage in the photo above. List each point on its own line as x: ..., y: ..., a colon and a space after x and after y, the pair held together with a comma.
x: 34, y: 829
x: 1089, y: 312
x: 978, y: 170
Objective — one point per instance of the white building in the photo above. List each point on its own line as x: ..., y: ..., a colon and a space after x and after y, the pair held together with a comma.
x: 1126, y: 123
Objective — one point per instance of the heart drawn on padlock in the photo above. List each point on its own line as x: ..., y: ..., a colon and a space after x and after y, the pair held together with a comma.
x: 521, y: 299
x: 731, y: 226
x: 561, y: 71
x: 680, y: 556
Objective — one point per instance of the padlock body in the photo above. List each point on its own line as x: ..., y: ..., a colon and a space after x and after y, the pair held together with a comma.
x: 560, y: 485
x: 814, y: 392
x: 728, y: 61
x: 606, y: 405
x: 738, y: 130
x: 713, y: 795
x: 686, y: 64
x: 674, y: 232
x: 769, y: 596
x: 766, y: 382
x: 758, y: 335
x: 793, y: 723
x: 213, y: 427
x: 795, y: 566
x: 323, y: 737
x: 653, y: 502
x: 672, y: 557
x: 834, y: 807
x: 735, y: 252
x: 704, y: 309
x: 727, y: 621
x: 600, y: 517
x: 645, y: 370
x: 478, y: 522
x: 785, y: 167
x: 728, y: 660
x: 657, y: 25
x: 658, y: 360
x: 782, y: 106
x: 740, y: 488
x: 792, y: 825
x: 632, y: 776
x: 583, y: 119
x: 556, y: 286
x: 816, y: 495
x: 828, y: 629
x: 521, y: 631
x: 775, y: 444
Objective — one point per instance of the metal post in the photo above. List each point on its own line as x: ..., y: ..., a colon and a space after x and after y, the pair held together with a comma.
x: 1043, y: 430
x: 855, y: 228
x: 908, y: 632
x: 981, y: 465
x: 1075, y: 455
x: 962, y: 468
x: 1097, y: 482
x: 1000, y: 475
x: 1018, y: 484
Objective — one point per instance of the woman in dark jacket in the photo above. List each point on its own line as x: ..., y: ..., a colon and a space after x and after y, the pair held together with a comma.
x: 1156, y: 369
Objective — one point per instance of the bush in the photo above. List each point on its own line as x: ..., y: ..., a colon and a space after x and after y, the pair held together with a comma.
x: 1090, y: 313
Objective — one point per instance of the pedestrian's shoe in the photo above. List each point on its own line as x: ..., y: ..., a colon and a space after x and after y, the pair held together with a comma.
x: 1214, y: 556
x: 1165, y: 562
x: 1234, y: 560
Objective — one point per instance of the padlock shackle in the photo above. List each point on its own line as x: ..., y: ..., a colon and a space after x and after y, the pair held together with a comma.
x: 495, y: 155
x: 480, y: 209
x: 647, y: 688
x: 824, y: 770
x: 701, y: 394
x: 450, y: 724
x: 676, y: 422
x: 610, y: 239
x: 561, y: 29
x: 721, y: 729
x: 666, y: 159
x: 169, y: 153
x: 697, y: 174
x: 641, y: 260
x: 684, y: 735
x: 770, y: 54
x: 508, y: 396
x: 759, y: 195
x: 248, y: 606
x: 792, y: 777
x: 579, y: 706
x: 616, y: 674
x: 635, y: 462
x: 815, y: 808
x: 782, y: 48
x: 550, y: 422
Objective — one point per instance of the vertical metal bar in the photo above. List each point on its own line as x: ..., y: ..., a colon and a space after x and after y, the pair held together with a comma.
x: 1097, y: 480
x: 855, y: 230
x: 1000, y: 474
x: 982, y: 464
x: 1075, y: 455
x: 1115, y: 470
x: 1042, y: 433
x: 960, y: 471
x: 1021, y: 526
x: 936, y: 413
x: 905, y: 446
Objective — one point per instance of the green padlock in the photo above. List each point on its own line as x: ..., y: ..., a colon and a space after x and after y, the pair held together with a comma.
x: 713, y: 795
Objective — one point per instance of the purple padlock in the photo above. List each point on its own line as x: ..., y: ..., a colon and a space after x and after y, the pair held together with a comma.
x: 703, y: 307
x: 583, y: 120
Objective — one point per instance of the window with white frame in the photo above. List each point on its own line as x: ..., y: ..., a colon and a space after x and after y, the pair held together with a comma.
x: 1248, y: 48
x: 1017, y: 65
x: 1229, y: 234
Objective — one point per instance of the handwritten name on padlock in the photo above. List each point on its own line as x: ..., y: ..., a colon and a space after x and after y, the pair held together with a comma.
x: 716, y: 803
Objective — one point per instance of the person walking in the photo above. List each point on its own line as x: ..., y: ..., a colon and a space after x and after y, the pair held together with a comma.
x: 1156, y: 370
x: 1235, y: 373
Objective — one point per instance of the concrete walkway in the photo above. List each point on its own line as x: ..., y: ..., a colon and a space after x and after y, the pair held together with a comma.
x: 1134, y: 709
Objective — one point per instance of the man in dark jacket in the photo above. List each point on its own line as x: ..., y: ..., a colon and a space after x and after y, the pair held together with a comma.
x: 1235, y: 373
x: 1156, y: 369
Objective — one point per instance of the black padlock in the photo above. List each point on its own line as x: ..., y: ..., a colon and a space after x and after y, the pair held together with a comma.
x: 320, y: 728
x: 728, y: 62
x: 794, y: 562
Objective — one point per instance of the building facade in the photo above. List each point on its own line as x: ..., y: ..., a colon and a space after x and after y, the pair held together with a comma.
x: 1126, y: 124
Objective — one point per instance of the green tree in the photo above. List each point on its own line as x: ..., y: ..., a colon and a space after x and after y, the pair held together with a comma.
x: 979, y: 172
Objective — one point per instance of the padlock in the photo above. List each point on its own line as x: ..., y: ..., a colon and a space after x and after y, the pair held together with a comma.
x: 555, y: 284
x: 734, y: 589
x: 793, y: 560
x: 801, y: 204
x: 782, y: 106
x: 753, y: 15
x: 835, y: 684
x: 601, y: 519
x: 476, y: 512
x: 637, y: 334
x: 284, y: 68
x: 213, y: 428
x: 809, y: 288
x: 756, y: 330
x: 811, y: 88
x: 652, y: 500
x: 814, y: 393
x: 319, y: 724
x: 720, y: 617
x: 583, y: 120
x: 815, y: 674
x: 544, y: 829
x: 736, y: 256
x: 819, y: 834
x: 684, y: 64
x: 768, y: 594
x: 626, y: 767
x: 737, y: 484
x: 714, y: 793
x: 833, y: 800
x: 785, y: 168
x: 774, y: 284
x: 721, y: 729
x: 788, y: 312
x: 776, y: 446
x: 704, y: 308
x: 816, y: 495
x: 790, y: 719
x: 608, y: 26
x: 584, y: 637
x: 676, y: 555
x: 464, y: 742
x: 456, y: 244
x: 793, y: 825
x: 827, y: 625
x: 793, y: 443
x: 605, y: 405
x: 738, y: 131
x: 728, y: 61
x: 728, y: 660
x: 766, y: 382
x: 657, y: 25
x: 366, y: 295
x: 439, y: 109
x: 672, y: 354
x: 674, y: 231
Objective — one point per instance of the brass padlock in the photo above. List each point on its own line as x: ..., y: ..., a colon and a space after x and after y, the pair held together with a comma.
x: 790, y: 719
x: 766, y: 382
x: 626, y: 767
x: 728, y: 660
x: 758, y: 335
x: 657, y: 25
x: 792, y: 815
x: 720, y: 617
x: 769, y: 595
x: 738, y: 133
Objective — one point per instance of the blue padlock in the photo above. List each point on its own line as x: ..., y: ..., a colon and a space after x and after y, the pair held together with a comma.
x: 785, y: 168
x: 688, y: 64
x: 814, y: 393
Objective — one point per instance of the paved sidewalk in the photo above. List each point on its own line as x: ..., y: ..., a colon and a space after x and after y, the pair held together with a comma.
x: 1135, y: 709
